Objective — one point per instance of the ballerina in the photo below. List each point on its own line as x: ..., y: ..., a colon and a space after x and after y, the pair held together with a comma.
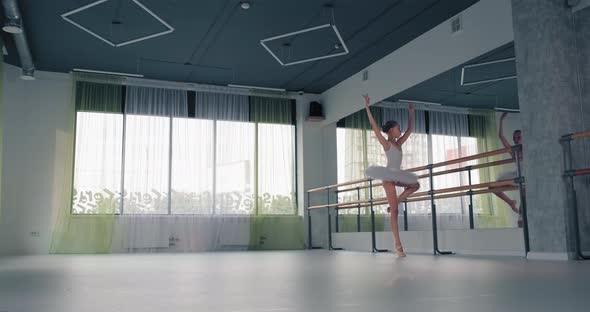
x: 517, y: 139
x: 392, y: 175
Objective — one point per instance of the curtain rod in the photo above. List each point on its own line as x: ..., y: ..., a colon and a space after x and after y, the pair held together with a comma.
x: 143, y: 82
x: 437, y: 108
x: 205, y: 88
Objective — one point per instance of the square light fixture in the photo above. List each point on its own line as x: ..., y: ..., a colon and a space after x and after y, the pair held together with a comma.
x: 342, y: 44
x: 464, y: 83
x: 168, y: 30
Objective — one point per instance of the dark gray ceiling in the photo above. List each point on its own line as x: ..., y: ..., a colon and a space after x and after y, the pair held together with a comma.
x: 446, y: 88
x: 217, y: 42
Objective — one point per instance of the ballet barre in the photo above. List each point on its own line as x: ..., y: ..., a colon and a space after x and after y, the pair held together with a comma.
x: 432, y: 195
x: 420, y: 195
x: 569, y: 174
x: 437, y: 173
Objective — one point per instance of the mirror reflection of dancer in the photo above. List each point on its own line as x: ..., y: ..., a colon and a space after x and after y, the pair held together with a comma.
x: 392, y: 175
x: 517, y: 139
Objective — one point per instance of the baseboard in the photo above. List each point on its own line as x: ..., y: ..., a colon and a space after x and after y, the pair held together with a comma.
x: 552, y: 256
x: 499, y: 253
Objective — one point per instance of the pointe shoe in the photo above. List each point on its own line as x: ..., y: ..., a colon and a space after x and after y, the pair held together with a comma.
x: 520, y: 221
x: 514, y: 207
x: 399, y: 250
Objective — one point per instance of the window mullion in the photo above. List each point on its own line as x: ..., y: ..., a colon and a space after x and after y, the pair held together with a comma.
x: 256, y: 208
x: 170, y: 168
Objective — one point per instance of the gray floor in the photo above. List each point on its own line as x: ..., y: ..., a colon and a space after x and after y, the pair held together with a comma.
x: 290, y: 281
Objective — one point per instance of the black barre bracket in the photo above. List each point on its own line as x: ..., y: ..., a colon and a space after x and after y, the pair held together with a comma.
x: 569, y: 173
x: 519, y: 180
x: 566, y: 138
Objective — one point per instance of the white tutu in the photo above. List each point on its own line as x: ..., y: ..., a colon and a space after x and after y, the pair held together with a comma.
x: 509, y: 175
x: 391, y: 175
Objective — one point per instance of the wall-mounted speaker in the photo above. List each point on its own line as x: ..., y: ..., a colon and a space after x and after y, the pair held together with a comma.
x: 316, y: 112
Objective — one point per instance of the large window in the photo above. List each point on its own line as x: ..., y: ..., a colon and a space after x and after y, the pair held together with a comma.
x: 98, y: 161
x: 192, y: 166
x: 185, y: 165
x: 448, y: 147
x: 146, y: 169
x: 276, y: 165
x: 235, y: 167
x: 445, y: 138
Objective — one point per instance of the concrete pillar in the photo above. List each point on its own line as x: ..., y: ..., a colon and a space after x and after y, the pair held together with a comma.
x: 317, y: 167
x: 551, y: 103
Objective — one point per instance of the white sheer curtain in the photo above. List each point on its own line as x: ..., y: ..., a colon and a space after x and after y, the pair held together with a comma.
x: 147, y: 147
x: 276, y: 169
x: 192, y: 166
x: 235, y: 152
x: 147, y: 168
x: 97, y: 164
x: 190, y: 180
x: 447, y: 131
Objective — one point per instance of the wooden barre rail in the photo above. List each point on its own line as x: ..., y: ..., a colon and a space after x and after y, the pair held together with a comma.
x: 496, y: 185
x: 338, y: 185
x: 463, y: 159
x: 468, y: 187
x: 479, y: 166
x: 446, y: 163
x: 476, y: 192
x: 383, y: 200
x: 579, y: 135
x: 581, y: 172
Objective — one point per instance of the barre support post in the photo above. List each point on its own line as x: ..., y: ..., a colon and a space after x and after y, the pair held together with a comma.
x: 471, y: 221
x: 330, y: 246
x: 521, y: 190
x: 436, y: 251
x: 373, y: 234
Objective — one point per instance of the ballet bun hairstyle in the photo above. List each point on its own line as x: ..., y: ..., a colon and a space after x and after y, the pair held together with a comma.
x: 388, y: 125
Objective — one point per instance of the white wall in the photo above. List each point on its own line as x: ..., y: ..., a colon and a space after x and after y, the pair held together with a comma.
x: 34, y: 114
x: 487, y: 25
x: 317, y: 164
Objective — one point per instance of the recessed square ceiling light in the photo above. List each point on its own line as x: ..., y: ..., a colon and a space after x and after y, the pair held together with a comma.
x: 168, y: 30
x: 307, y: 30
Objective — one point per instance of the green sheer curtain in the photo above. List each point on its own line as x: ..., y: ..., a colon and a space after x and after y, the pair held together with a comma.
x: 98, y: 97
x: 271, y: 110
x: 276, y: 233
x: 84, y: 233
x: 272, y: 232
x: 485, y: 129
